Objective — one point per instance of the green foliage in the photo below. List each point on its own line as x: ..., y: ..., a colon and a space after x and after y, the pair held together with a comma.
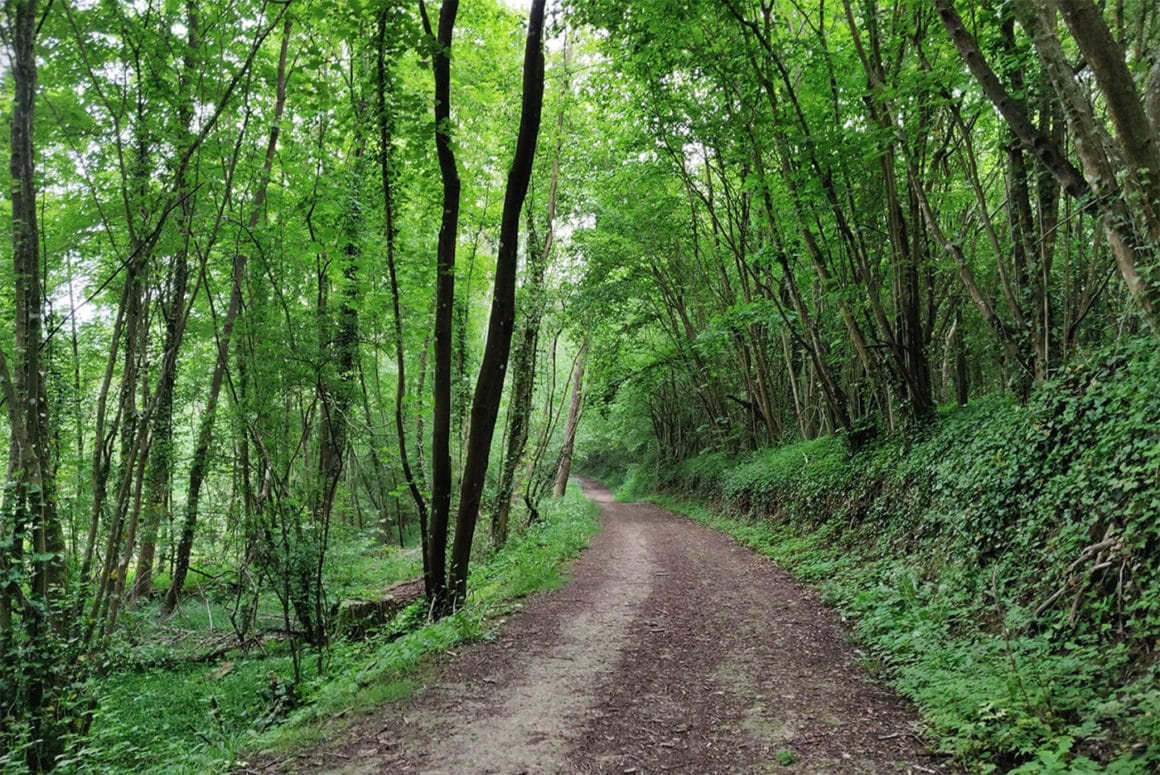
x: 529, y: 562
x: 38, y: 661
x: 162, y: 713
x: 796, y: 480
x: 186, y: 719
x: 1001, y: 568
x: 358, y: 563
x: 704, y: 472
x: 638, y: 480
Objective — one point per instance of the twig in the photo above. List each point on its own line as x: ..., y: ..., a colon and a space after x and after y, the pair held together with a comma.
x: 1096, y: 550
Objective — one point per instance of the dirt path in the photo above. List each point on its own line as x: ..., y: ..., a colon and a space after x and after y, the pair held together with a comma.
x: 673, y: 650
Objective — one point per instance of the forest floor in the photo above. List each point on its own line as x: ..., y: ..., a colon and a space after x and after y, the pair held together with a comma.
x: 672, y: 650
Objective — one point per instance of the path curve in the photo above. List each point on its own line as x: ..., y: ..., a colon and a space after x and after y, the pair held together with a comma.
x: 672, y: 650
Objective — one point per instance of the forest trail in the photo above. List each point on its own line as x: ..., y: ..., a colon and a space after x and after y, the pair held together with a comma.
x: 673, y: 649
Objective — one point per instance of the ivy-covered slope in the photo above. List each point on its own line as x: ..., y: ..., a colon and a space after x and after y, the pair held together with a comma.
x: 1002, y: 568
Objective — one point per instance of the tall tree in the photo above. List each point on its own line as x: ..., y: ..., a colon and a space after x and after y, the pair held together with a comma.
x: 174, y: 310
x: 388, y: 171
x: 524, y: 361
x: 435, y: 569
x: 493, y: 368
x: 31, y: 539
x: 199, y: 464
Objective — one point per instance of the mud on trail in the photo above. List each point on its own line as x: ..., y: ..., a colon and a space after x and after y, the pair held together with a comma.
x: 672, y: 650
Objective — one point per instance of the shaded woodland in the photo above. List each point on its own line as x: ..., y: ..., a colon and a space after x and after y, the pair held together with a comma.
x: 288, y: 278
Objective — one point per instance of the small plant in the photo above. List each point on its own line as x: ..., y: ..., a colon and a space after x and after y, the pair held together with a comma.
x: 785, y: 758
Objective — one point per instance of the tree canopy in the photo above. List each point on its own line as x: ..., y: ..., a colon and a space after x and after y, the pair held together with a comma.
x: 272, y: 263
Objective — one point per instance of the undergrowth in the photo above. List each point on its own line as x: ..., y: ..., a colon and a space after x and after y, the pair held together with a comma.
x: 161, y: 711
x: 1001, y: 569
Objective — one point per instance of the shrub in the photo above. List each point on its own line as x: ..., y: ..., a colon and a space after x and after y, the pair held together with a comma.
x: 1002, y: 566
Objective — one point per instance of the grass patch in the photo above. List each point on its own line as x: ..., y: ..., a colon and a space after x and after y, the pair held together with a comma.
x: 530, y: 562
x: 164, y: 715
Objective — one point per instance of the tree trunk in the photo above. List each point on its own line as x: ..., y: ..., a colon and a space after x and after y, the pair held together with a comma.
x: 564, y: 469
x: 435, y: 580
x: 1130, y: 241
x: 200, y: 464
x: 387, y: 171
x: 524, y: 358
x: 493, y: 367
x: 335, y: 392
x: 1137, y: 138
x: 962, y: 392
x: 523, y: 385
x: 173, y: 308
x: 1037, y: 143
x: 28, y: 514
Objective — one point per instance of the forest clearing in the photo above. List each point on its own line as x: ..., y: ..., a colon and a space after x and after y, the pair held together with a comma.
x: 312, y: 310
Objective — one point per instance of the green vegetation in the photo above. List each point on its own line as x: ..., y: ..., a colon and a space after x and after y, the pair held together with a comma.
x: 237, y: 357
x: 287, y: 280
x: 1001, y: 569
x: 159, y: 711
